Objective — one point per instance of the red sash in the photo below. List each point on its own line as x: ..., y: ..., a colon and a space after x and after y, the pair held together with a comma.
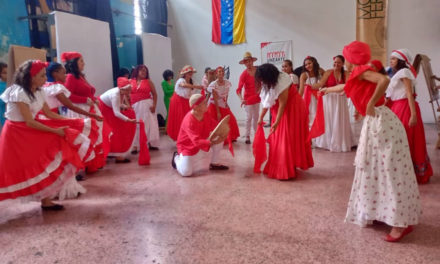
x: 318, y: 126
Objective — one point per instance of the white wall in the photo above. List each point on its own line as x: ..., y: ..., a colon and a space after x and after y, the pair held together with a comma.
x: 317, y: 28
x: 91, y: 38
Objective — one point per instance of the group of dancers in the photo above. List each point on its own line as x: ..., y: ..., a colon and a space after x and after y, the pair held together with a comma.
x: 57, y: 128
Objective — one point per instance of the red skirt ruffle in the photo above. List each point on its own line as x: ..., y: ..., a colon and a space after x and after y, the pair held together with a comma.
x: 179, y: 106
x: 416, y: 139
x: 289, y: 146
x: 36, y: 164
x: 123, y: 132
x: 234, y: 133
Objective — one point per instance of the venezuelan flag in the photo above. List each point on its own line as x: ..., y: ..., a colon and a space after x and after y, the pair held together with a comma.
x: 228, y: 21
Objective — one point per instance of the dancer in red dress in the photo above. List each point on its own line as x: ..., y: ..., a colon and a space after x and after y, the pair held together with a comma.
x: 384, y: 187
x: 122, y: 123
x: 250, y: 98
x: 218, y: 102
x: 289, y: 147
x: 179, y: 104
x: 402, y: 102
x: 83, y: 96
x: 193, y: 137
x: 36, y: 157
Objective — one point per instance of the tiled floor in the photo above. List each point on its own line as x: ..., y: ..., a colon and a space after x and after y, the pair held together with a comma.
x: 135, y: 214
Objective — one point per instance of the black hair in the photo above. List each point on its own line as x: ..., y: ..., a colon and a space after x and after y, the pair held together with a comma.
x: 135, y: 71
x: 122, y: 72
x: 72, y: 67
x: 207, y: 69
x: 23, y: 78
x: 400, y: 65
x: 268, y: 74
x: 289, y: 62
x: 2, y: 66
x: 53, y: 67
x: 167, y: 74
x: 383, y: 71
x: 315, y: 66
x: 342, y: 69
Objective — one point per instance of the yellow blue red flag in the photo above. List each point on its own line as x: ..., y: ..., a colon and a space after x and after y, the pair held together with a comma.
x: 228, y: 21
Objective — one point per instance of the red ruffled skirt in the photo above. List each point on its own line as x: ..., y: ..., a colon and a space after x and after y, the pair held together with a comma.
x: 234, y: 133
x: 289, y: 147
x: 416, y: 139
x: 179, y: 106
x: 36, y: 164
x: 122, y: 132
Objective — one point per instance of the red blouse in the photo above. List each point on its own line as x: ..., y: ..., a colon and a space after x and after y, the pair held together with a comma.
x: 250, y: 94
x: 140, y: 92
x: 361, y: 91
x: 193, y: 134
x: 80, y: 89
x: 331, y: 81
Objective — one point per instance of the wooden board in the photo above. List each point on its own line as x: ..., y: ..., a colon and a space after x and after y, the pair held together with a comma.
x: 19, y: 54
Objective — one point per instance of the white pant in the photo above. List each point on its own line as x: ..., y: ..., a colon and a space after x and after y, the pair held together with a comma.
x: 186, y: 165
x: 142, y: 110
x: 252, y: 112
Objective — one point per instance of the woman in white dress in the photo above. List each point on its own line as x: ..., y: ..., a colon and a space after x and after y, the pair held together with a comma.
x: 337, y: 136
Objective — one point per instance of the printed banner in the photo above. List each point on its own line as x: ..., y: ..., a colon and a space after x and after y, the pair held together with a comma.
x: 276, y: 52
x: 371, y: 26
x: 228, y: 21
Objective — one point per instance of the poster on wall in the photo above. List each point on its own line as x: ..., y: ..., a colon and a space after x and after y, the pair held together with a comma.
x: 371, y: 26
x: 276, y: 52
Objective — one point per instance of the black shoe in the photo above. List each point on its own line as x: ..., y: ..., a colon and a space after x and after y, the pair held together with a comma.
x: 55, y: 207
x: 80, y: 177
x: 123, y: 161
x: 248, y: 141
x: 218, y: 167
x: 173, y: 163
x: 134, y: 152
x: 153, y: 148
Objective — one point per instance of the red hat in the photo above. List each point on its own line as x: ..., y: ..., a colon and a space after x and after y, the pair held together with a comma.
x: 378, y: 64
x: 67, y: 56
x: 357, y: 52
x: 37, y: 66
x: 123, y: 83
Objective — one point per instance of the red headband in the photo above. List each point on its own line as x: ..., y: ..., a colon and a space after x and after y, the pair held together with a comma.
x: 411, y: 67
x: 67, y: 56
x: 377, y: 64
x: 37, y: 66
x: 122, y: 82
x: 199, y: 101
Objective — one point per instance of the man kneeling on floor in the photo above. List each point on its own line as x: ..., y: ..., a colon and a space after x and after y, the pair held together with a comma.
x: 195, y: 135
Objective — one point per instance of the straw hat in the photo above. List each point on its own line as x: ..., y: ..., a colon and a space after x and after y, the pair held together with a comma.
x: 247, y: 55
x: 221, y: 130
x: 186, y: 69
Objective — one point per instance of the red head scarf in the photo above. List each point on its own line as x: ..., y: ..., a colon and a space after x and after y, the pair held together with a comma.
x: 37, y: 66
x: 357, y: 52
x: 67, y: 56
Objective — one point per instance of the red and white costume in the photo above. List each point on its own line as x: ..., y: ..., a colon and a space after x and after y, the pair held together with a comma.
x: 337, y: 136
x: 313, y: 94
x: 289, y: 146
x: 141, y: 101
x: 222, y: 92
x: 416, y: 135
x: 179, y: 107
x: 193, y: 137
x: 251, y: 100
x: 122, y: 132
x: 36, y: 164
x: 384, y: 186
x: 80, y: 90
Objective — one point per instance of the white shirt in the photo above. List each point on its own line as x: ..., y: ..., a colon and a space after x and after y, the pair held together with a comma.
x: 52, y: 91
x: 396, y: 88
x: 222, y: 92
x: 269, y: 96
x: 182, y: 91
x: 14, y: 94
x: 112, y: 98
x: 294, y: 78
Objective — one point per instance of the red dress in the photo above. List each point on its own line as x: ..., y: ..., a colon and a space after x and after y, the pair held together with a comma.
x: 416, y: 134
x: 289, y: 146
x: 234, y: 133
x: 179, y: 107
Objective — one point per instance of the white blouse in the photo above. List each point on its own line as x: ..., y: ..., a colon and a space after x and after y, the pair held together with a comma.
x: 14, y: 94
x: 112, y: 99
x: 182, y: 91
x: 294, y: 78
x: 52, y: 91
x: 269, y: 96
x: 396, y: 88
x: 222, y: 92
